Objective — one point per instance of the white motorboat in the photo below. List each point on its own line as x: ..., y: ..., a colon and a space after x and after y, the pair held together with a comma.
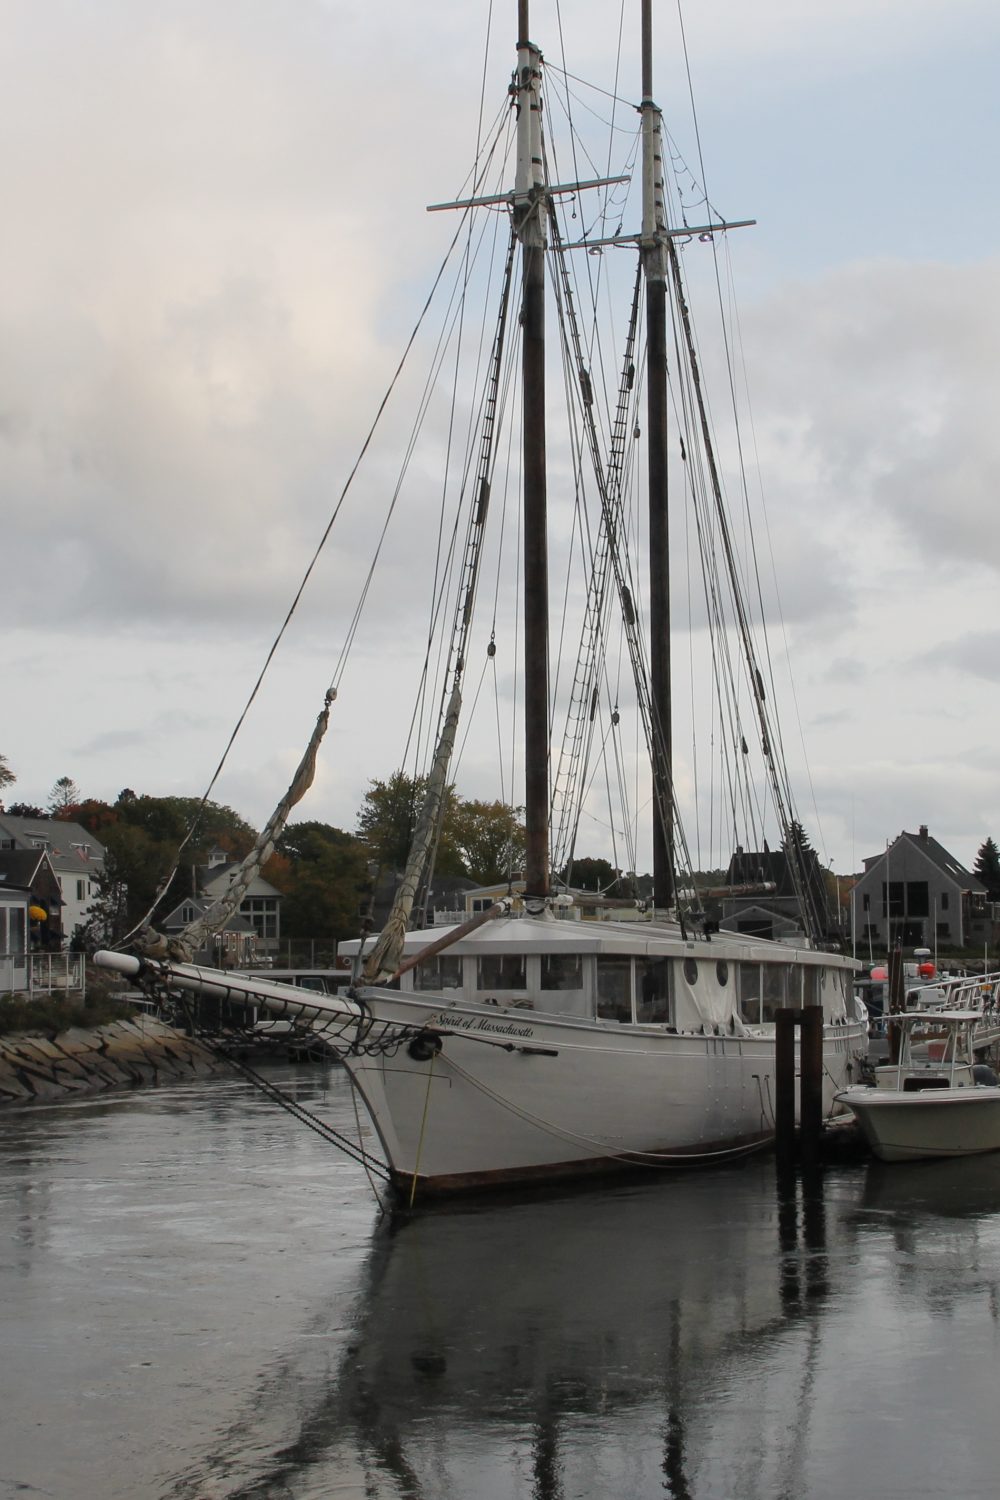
x: 528, y: 1043
x: 936, y: 1099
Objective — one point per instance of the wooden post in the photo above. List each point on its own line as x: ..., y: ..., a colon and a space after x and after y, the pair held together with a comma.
x: 784, y: 1086
x: 811, y: 1087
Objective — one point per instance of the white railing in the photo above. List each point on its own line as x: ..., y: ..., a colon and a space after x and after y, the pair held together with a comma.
x: 55, y: 973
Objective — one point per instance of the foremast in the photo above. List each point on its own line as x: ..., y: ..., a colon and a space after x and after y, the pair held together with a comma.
x: 529, y: 208
x: 652, y: 243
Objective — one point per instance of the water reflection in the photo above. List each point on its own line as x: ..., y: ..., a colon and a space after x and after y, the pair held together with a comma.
x: 204, y: 1306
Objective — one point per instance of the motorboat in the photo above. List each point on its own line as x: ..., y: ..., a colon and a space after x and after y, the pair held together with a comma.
x: 935, y: 1100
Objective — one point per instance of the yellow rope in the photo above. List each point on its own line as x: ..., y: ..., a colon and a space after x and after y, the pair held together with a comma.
x: 423, y: 1126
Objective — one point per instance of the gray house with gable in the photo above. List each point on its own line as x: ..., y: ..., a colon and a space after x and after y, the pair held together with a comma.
x: 918, y: 895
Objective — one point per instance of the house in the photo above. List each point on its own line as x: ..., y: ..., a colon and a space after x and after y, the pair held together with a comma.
x: 76, y: 857
x: 918, y: 895
x: 253, y: 931
x: 14, y: 903
x: 31, y: 870
x: 759, y: 896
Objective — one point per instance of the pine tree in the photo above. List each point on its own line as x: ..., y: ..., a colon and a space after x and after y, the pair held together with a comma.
x: 987, y: 867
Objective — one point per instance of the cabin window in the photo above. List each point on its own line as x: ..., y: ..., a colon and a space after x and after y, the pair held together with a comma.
x: 441, y: 973
x: 691, y: 970
x: 614, y: 989
x: 501, y: 971
x: 722, y: 972
x: 652, y: 989
x: 749, y: 993
x: 794, y: 990
x: 562, y: 971
x: 775, y: 993
x: 810, y: 985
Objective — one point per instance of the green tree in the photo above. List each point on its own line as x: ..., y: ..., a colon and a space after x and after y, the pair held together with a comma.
x: 592, y: 875
x: 987, y: 867
x: 796, y: 842
x: 322, y: 873
x: 7, y: 777
x: 64, y: 798
x: 486, y: 839
x: 387, y: 821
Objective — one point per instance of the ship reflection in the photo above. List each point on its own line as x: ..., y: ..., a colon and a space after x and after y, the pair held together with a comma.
x: 552, y: 1337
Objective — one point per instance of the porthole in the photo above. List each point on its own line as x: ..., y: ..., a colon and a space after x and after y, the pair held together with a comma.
x: 722, y: 971
x: 691, y: 970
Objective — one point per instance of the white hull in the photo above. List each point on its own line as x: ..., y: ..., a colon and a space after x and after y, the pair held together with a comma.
x: 924, y: 1124
x: 568, y: 1098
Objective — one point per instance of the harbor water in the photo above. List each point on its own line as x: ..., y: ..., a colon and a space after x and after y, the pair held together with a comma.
x: 200, y: 1299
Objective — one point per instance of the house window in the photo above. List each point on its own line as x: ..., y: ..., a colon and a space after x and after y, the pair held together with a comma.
x: 81, y: 889
x: 944, y: 900
x: 6, y: 843
x: 3, y: 929
x: 187, y: 913
x: 866, y: 903
x: 944, y: 929
x: 15, y: 938
x: 917, y: 899
x: 892, y: 898
x: 262, y: 914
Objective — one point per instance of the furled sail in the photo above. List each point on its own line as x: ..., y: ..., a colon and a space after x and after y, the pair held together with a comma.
x: 196, y: 934
x: 383, y: 961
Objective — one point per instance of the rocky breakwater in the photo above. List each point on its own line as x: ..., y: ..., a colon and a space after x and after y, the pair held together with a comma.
x: 122, y: 1054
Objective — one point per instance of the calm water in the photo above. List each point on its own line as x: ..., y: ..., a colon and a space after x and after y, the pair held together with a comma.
x: 199, y: 1300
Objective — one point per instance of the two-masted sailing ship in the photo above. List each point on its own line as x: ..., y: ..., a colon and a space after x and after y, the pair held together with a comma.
x: 526, y: 1044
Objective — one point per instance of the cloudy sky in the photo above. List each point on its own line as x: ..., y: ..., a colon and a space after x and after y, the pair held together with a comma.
x: 215, y: 247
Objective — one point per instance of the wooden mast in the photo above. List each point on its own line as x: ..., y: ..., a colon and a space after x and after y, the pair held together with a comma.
x: 529, y: 220
x: 654, y: 262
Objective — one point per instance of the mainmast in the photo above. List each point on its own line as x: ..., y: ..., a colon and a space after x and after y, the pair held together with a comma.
x: 654, y: 260
x: 529, y: 222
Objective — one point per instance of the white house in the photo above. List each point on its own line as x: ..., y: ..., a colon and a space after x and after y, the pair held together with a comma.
x: 76, y: 856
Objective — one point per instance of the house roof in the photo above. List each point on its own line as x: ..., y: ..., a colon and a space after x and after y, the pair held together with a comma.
x: 173, y: 921
x: 21, y: 868
x: 938, y: 856
x: 72, y: 848
x: 216, y: 880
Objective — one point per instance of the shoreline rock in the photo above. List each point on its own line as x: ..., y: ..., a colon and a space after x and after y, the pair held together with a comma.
x: 35, y: 1069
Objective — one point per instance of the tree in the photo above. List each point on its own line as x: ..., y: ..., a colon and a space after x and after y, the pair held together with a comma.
x: 796, y: 845
x: 987, y: 867
x: 64, y: 798
x: 387, y: 821
x: 7, y: 777
x: 591, y: 875
x: 26, y: 810
x: 486, y: 837
x: 322, y: 873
